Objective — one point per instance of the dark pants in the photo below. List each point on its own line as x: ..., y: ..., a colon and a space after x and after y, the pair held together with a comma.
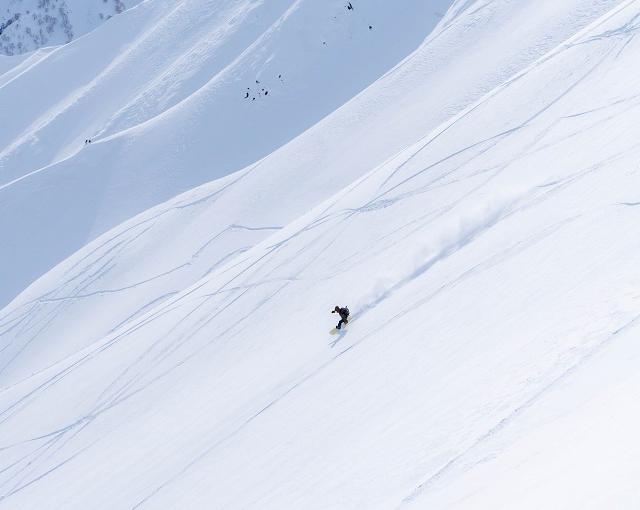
x: 343, y: 320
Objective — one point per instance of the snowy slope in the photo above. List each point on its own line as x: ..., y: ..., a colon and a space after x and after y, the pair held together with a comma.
x: 160, y: 90
x: 190, y: 123
x: 491, y: 270
x: 26, y: 25
x: 136, y: 270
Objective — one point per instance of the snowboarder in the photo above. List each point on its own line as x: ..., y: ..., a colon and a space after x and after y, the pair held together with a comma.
x: 344, y: 315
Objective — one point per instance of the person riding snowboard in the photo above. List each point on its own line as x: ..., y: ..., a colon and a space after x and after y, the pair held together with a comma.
x: 344, y: 315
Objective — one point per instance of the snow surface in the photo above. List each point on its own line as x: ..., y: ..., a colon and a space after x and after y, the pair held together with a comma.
x: 140, y: 272
x: 487, y: 247
x: 187, y: 85
x: 160, y: 90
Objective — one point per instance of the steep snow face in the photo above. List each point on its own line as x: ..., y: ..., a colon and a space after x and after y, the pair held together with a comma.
x: 174, y: 94
x: 26, y: 25
x: 490, y: 268
x: 131, y: 269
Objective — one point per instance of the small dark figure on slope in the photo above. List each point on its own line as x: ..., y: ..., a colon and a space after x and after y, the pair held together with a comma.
x: 344, y: 315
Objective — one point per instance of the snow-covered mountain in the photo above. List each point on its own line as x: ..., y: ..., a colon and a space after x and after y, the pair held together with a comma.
x: 26, y: 25
x: 166, y: 93
x: 471, y: 193
x: 91, y: 187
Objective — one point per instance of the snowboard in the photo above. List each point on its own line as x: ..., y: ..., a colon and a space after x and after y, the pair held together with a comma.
x: 336, y: 331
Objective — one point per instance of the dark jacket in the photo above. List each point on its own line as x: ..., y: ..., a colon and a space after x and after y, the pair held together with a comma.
x: 343, y: 312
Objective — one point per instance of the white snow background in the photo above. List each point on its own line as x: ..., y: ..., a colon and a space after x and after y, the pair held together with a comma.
x: 464, y: 176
